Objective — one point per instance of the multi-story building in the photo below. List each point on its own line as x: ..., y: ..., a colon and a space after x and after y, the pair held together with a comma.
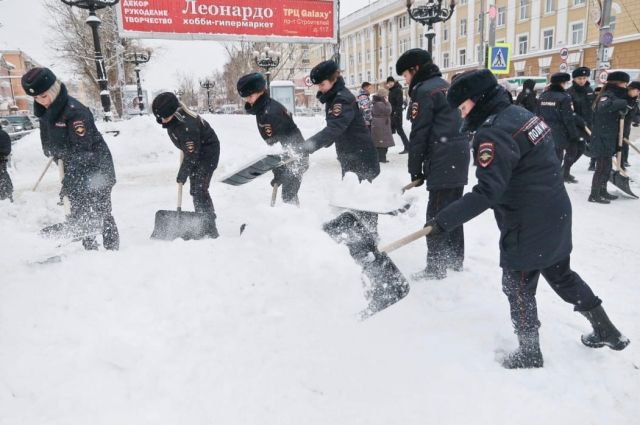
x: 20, y: 63
x: 373, y: 37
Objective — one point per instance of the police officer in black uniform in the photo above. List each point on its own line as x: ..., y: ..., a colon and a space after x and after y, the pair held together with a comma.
x: 200, y: 146
x: 438, y: 153
x: 610, y: 107
x: 519, y: 178
x: 345, y: 125
x: 582, y: 96
x: 396, y: 99
x: 631, y: 119
x: 556, y: 109
x: 6, y: 186
x: 68, y: 132
x: 276, y: 125
x: 527, y: 97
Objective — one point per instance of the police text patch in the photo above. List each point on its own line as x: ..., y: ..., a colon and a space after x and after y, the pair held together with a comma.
x: 486, y: 153
x: 336, y: 111
x: 536, y: 130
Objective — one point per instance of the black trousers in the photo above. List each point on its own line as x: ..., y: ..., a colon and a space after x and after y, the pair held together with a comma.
x: 6, y: 186
x: 396, y: 125
x: 199, y: 181
x: 572, y: 154
x: 625, y: 154
x: 520, y: 289
x: 602, y: 173
x: 90, y: 212
x: 444, y: 250
x: 382, y: 154
x: 290, y: 177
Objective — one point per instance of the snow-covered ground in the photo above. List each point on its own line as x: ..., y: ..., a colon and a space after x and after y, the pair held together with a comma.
x: 263, y: 329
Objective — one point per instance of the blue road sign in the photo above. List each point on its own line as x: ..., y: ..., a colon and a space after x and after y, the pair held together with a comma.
x: 500, y: 58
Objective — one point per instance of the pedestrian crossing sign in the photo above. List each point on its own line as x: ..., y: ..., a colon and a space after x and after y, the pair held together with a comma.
x: 499, y: 58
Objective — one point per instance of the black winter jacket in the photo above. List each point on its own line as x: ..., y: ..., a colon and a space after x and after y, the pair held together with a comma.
x: 68, y: 132
x: 396, y: 99
x: 556, y: 109
x: 606, y: 123
x: 527, y: 99
x: 436, y: 147
x: 519, y: 177
x: 5, y: 145
x: 346, y: 128
x: 197, y: 140
x: 582, y: 98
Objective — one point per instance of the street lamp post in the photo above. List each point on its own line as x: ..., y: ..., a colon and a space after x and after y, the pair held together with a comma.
x: 94, y: 22
x: 138, y: 58
x: 208, y: 85
x: 267, y: 60
x: 430, y: 12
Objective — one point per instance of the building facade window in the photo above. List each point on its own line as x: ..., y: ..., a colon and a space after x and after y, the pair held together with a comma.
x: 547, y: 39
x: 369, y: 56
x: 463, y: 27
x: 462, y: 56
x: 549, y: 6
x: 544, y: 70
x: 445, y: 60
x: 360, y: 78
x: 579, y: 2
x: 524, y: 9
x: 368, y: 75
x: 381, y: 74
x: 445, y: 33
x: 359, y: 57
x: 501, y: 16
x: 577, y: 33
x: 463, y: 2
x: 479, y: 53
x: 523, y: 44
x: 380, y: 53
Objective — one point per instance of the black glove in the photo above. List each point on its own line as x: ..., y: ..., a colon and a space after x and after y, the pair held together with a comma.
x: 618, y: 148
x: 418, y: 176
x: 435, y: 227
x: 181, y: 180
x: 275, y: 181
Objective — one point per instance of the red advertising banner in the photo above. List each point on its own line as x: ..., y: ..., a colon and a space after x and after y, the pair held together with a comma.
x: 308, y: 21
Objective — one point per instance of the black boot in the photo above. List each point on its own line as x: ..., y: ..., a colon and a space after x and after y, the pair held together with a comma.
x: 606, y: 195
x: 568, y: 178
x: 110, y: 234
x: 527, y: 356
x: 597, y: 197
x: 604, y: 333
x: 592, y: 165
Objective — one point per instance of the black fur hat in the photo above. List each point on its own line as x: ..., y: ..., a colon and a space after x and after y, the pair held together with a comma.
x: 619, y: 76
x: 560, y: 77
x: 37, y: 81
x: 391, y: 80
x: 164, y: 105
x: 634, y: 85
x: 582, y: 71
x: 323, y: 71
x: 411, y: 58
x: 250, y: 84
x: 470, y: 85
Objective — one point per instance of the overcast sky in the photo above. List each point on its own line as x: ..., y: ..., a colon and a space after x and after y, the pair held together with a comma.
x: 24, y: 27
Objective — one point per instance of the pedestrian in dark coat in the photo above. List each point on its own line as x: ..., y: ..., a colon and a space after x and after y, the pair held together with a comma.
x: 381, y: 125
x: 68, y: 132
x: 396, y: 99
x: 200, y: 146
x: 519, y: 178
x: 345, y: 125
x: 611, y: 106
x: 555, y: 107
x: 276, y: 125
x: 527, y: 97
x: 631, y: 119
x: 438, y: 153
x: 6, y: 186
x: 582, y: 96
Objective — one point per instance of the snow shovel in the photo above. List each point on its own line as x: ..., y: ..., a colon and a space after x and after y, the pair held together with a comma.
x: 254, y: 169
x: 619, y: 178
x: 628, y: 142
x: 387, y: 284
x: 176, y: 224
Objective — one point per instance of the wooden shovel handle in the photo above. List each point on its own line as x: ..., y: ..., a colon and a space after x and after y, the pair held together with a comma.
x: 406, y: 240
x: 412, y: 185
x: 620, y: 142
x: 587, y: 130
x: 35, y: 186
x: 180, y: 185
x: 628, y: 142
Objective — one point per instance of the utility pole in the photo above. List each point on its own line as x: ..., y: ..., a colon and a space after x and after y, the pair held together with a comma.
x: 481, y: 59
x: 603, y: 42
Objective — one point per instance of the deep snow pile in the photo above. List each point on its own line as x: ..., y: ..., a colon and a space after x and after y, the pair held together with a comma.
x: 262, y: 329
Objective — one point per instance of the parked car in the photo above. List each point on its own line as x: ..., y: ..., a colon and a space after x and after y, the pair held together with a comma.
x: 9, y: 128
x: 21, y: 122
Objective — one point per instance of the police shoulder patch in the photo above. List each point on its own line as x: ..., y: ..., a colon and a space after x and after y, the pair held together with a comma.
x: 486, y: 153
x: 191, y: 146
x: 415, y: 109
x: 79, y: 128
x: 268, y: 131
x: 336, y: 110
